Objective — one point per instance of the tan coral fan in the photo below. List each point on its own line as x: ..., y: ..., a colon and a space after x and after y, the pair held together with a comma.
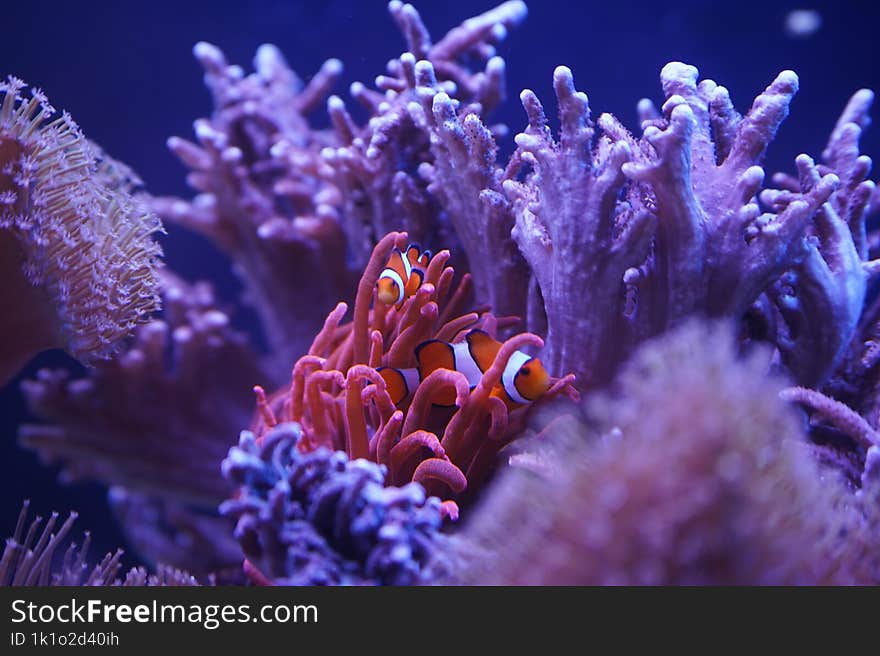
x: 88, y: 260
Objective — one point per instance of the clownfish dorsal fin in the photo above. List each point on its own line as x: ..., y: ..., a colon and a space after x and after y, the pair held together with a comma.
x: 433, y: 355
x: 483, y: 347
x: 425, y: 257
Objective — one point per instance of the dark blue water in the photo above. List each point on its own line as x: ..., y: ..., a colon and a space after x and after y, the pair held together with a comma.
x: 126, y: 73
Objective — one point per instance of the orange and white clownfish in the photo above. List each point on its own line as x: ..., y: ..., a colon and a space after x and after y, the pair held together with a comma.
x: 524, y: 378
x: 402, y: 275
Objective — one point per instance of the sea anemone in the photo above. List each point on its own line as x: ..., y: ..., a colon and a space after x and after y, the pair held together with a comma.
x: 340, y: 399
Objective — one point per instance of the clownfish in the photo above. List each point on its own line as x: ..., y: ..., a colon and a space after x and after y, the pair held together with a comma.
x: 402, y: 275
x: 524, y: 378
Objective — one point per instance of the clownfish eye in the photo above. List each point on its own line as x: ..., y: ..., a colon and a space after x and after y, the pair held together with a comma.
x: 525, y: 371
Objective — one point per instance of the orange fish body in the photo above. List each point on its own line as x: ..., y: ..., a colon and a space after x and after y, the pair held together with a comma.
x: 524, y: 378
x: 402, y: 275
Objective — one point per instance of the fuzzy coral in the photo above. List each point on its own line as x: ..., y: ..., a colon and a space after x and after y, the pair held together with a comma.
x: 76, y: 250
x: 319, y: 518
x: 710, y: 485
x: 31, y: 558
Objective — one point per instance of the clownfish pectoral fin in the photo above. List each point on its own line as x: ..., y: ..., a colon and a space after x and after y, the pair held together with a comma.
x: 483, y: 347
x: 396, y: 383
x: 499, y: 392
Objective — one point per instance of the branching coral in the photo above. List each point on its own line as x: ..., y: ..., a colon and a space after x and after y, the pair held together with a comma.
x: 76, y: 251
x: 708, y: 485
x: 260, y: 198
x: 625, y: 236
x: 830, y: 281
x: 319, y: 518
x: 286, y: 201
x: 414, y: 168
x: 33, y: 556
x: 856, y: 380
x: 715, y: 251
x: 157, y: 418
x: 694, y: 178
x: 577, y: 239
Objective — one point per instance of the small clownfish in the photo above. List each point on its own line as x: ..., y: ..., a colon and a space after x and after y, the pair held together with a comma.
x: 402, y: 275
x: 523, y: 381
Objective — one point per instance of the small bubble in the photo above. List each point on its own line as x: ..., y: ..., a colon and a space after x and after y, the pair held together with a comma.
x: 802, y: 23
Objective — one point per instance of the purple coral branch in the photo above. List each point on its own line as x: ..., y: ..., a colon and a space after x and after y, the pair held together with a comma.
x: 157, y: 418
x: 261, y: 199
x: 715, y: 252
x: 577, y: 240
x: 831, y: 280
x: 839, y: 414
